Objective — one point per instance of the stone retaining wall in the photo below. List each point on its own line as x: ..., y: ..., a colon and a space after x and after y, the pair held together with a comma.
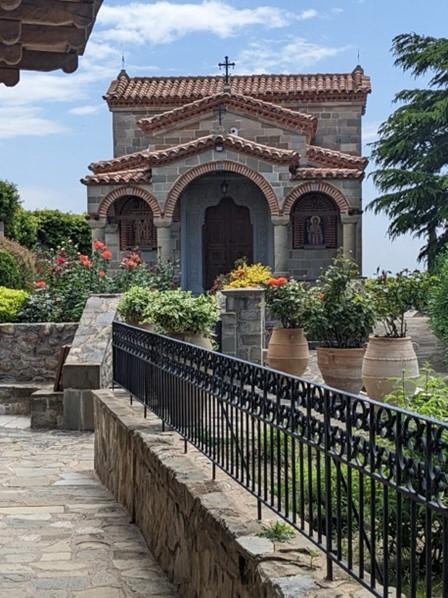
x: 203, y: 532
x: 30, y: 352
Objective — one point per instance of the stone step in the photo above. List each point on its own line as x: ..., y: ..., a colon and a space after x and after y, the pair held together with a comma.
x: 15, y: 397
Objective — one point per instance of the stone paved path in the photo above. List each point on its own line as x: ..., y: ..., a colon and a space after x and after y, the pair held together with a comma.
x: 61, y: 533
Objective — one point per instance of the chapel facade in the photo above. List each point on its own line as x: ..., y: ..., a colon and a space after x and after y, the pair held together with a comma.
x: 207, y: 170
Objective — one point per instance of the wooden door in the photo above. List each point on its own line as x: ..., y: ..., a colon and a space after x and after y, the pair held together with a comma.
x: 227, y: 237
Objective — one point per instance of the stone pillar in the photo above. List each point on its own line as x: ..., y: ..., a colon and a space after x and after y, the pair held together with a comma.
x: 349, y: 224
x: 164, y: 246
x: 98, y: 229
x: 281, y: 249
x: 243, y: 324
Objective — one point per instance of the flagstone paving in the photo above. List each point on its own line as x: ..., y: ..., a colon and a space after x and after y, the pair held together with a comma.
x: 62, y: 535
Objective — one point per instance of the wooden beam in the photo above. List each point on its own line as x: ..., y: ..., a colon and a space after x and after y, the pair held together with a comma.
x: 52, y: 12
x: 9, y: 76
x: 53, y: 39
x: 10, y: 31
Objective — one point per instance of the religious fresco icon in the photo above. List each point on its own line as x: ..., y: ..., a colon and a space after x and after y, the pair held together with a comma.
x: 314, y: 231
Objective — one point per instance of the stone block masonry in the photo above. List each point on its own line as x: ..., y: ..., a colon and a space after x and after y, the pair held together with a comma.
x: 202, y: 532
x: 30, y: 352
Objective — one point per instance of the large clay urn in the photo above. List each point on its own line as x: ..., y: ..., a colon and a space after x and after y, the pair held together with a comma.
x: 387, y: 361
x: 288, y: 351
x: 341, y: 368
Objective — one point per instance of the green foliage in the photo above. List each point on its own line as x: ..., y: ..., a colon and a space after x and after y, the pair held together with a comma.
x: 438, y: 304
x: 24, y: 228
x: 412, y: 149
x: 395, y: 295
x: 9, y: 204
x: 55, y: 229
x: 289, y: 301
x: 11, y: 301
x: 134, y: 302
x: 427, y: 395
x: 17, y: 265
x: 341, y: 312
x: 178, y: 311
x: 278, y: 531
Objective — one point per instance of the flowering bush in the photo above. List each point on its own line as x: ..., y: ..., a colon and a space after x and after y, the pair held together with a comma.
x: 341, y: 311
x: 134, y: 272
x: 65, y: 280
x: 11, y: 301
x: 246, y: 275
x: 288, y: 300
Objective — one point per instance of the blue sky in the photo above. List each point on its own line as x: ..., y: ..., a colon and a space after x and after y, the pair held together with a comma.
x: 53, y: 125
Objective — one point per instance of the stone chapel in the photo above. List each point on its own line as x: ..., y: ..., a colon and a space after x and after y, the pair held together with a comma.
x: 210, y: 169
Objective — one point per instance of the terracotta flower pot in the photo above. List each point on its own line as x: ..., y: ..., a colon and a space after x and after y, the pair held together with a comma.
x: 288, y: 350
x: 341, y: 368
x: 194, y: 339
x: 386, y: 361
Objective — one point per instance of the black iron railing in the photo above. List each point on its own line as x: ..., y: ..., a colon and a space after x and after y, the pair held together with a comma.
x: 364, y: 481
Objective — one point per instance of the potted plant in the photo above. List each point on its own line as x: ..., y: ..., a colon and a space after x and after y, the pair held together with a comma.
x: 182, y: 315
x: 288, y: 348
x: 133, y: 304
x: 390, y: 356
x: 341, y: 317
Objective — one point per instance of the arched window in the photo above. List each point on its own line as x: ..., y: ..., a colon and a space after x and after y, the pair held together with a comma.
x: 315, y: 222
x: 136, y: 224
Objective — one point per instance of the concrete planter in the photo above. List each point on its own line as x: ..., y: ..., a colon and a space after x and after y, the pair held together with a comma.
x: 341, y: 368
x: 288, y: 351
x: 194, y: 339
x: 388, y: 360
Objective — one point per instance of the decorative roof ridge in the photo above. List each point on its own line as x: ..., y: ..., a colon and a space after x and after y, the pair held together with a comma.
x: 309, y: 173
x: 153, y: 158
x: 334, y: 158
x: 247, y: 104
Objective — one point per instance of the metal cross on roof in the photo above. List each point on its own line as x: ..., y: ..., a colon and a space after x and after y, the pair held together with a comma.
x: 227, y: 65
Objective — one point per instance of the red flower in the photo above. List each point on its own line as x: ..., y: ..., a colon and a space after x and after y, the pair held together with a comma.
x: 281, y: 280
x: 40, y: 284
x: 101, y: 273
x: 99, y: 245
x: 271, y: 282
x: 107, y: 254
x: 85, y: 261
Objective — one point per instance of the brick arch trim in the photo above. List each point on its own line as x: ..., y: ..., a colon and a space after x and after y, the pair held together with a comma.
x: 305, y: 188
x: 226, y: 165
x: 112, y: 196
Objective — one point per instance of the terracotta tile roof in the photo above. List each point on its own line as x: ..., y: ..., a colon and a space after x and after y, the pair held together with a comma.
x: 332, y: 158
x: 121, y: 177
x: 162, y: 91
x: 327, y: 173
x: 246, y: 104
x: 149, y: 158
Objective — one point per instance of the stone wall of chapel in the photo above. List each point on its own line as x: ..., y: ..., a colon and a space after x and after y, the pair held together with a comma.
x: 339, y: 127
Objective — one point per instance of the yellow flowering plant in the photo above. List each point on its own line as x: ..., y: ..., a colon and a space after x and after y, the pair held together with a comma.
x: 246, y: 275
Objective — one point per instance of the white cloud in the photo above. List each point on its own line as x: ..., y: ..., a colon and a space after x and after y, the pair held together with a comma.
x: 84, y: 110
x: 26, y: 121
x: 370, y: 132
x: 165, y: 21
x: 292, y: 55
x: 38, y: 198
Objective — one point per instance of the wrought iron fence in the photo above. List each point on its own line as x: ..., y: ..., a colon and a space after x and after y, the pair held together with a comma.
x: 364, y: 481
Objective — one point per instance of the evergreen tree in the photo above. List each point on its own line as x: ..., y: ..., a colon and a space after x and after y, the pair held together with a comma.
x: 9, y: 204
x: 412, y: 150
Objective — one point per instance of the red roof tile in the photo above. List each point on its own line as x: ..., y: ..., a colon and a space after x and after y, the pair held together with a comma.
x: 149, y: 158
x: 161, y: 91
x: 121, y: 177
x: 245, y: 104
x: 327, y: 157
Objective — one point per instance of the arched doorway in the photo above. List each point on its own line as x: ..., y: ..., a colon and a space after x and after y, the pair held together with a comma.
x: 227, y: 236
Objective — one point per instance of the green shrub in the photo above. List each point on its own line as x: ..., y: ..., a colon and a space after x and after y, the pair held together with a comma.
x: 180, y: 311
x: 17, y: 265
x: 11, y: 301
x: 133, y: 304
x: 9, y: 204
x: 438, y: 304
x: 23, y: 228
x: 55, y: 229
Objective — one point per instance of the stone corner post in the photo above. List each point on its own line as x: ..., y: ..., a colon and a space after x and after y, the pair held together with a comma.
x: 98, y: 228
x: 243, y: 324
x: 349, y: 235
x: 164, y: 245
x: 281, y: 249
